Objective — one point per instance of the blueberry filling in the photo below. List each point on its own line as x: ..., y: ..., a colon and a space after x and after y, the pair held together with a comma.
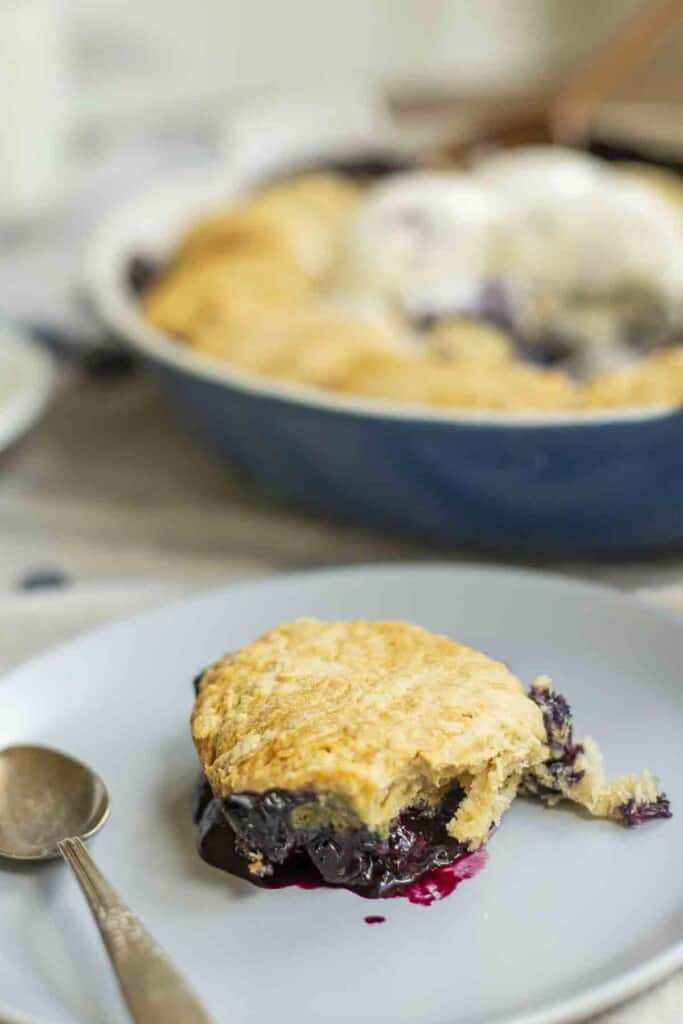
x: 141, y: 272
x: 549, y: 350
x: 300, y: 838
x: 634, y: 813
x: 561, y: 765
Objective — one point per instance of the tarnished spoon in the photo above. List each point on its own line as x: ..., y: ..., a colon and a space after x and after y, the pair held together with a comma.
x: 50, y: 803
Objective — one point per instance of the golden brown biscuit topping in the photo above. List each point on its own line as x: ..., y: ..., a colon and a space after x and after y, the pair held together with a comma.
x: 254, y: 284
x: 381, y: 714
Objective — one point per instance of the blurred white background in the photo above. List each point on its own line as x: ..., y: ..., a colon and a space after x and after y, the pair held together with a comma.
x: 142, y: 59
x: 100, y: 97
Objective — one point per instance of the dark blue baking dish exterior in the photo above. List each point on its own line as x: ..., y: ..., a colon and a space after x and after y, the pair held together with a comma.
x: 551, y: 488
x: 561, y: 484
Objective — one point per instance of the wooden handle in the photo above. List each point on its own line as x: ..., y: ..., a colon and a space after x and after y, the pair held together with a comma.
x: 634, y: 44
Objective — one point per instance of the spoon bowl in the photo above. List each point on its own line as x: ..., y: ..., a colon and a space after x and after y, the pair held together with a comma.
x: 45, y: 797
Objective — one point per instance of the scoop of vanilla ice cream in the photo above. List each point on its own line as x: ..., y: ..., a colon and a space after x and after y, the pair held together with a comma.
x: 618, y: 234
x: 420, y: 232
x: 530, y: 173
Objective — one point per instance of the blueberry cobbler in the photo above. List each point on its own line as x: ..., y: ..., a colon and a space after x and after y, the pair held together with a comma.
x: 379, y: 757
x: 486, y: 289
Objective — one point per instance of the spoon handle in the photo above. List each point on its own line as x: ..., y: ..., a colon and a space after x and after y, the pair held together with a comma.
x: 151, y: 986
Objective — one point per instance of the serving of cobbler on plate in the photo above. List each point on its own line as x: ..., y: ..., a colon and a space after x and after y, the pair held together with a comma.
x: 380, y: 757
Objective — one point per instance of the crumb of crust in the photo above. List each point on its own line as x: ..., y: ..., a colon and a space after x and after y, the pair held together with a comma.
x: 574, y: 770
x: 381, y: 714
x: 257, y: 865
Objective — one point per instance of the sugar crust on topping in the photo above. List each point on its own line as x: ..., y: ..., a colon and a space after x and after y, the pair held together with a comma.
x: 253, y: 284
x: 381, y: 714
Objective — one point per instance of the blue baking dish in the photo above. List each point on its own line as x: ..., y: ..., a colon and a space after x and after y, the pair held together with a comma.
x: 561, y: 483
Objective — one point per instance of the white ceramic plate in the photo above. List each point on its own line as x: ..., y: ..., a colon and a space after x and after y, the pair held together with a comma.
x: 26, y: 380
x: 569, y: 916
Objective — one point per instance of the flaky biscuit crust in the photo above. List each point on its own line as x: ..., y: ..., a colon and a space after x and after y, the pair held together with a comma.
x: 379, y: 714
x: 253, y: 284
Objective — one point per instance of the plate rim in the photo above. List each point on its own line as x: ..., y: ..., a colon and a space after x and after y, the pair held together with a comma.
x: 597, y: 997
x: 37, y: 371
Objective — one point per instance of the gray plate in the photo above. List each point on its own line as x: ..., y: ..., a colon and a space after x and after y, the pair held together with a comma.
x: 569, y: 916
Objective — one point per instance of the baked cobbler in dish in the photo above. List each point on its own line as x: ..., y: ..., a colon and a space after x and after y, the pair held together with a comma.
x: 441, y: 289
x: 379, y: 757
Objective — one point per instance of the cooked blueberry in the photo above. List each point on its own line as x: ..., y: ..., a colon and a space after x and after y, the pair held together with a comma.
x: 39, y: 579
x: 498, y: 305
x: 298, y: 837
x: 141, y: 272
x: 561, y: 765
x: 548, y: 350
x: 635, y: 813
x: 556, y: 711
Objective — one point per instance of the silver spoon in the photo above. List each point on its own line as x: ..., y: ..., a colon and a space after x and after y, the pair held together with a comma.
x: 49, y: 803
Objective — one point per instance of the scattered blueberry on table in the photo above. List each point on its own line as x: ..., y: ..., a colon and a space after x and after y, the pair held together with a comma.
x: 41, y: 579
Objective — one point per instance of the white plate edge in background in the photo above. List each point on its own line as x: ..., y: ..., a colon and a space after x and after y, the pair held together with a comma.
x: 34, y: 369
